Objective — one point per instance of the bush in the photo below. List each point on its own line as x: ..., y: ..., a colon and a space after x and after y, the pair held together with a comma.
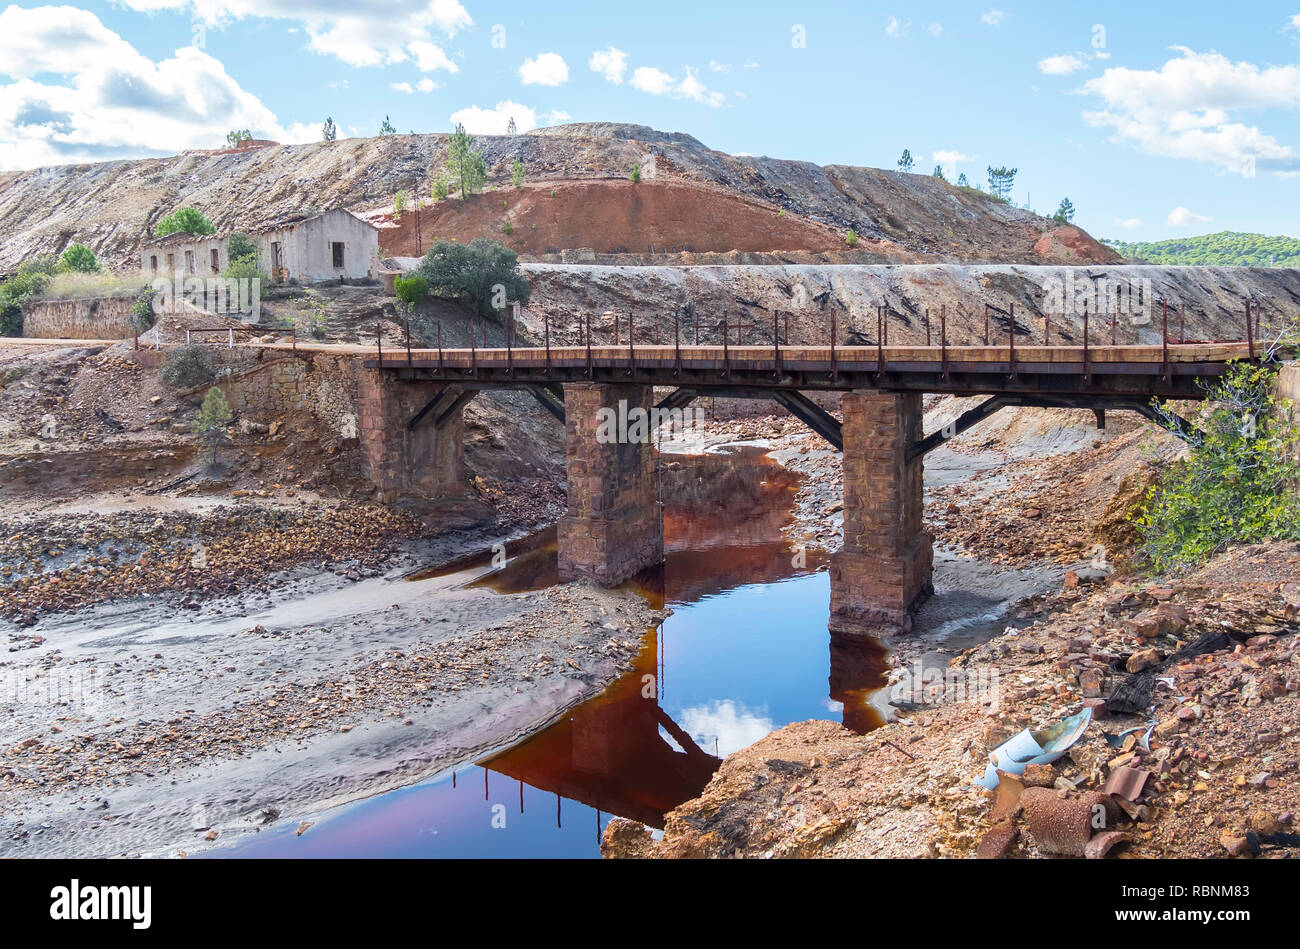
x: 482, y: 274
x: 239, y: 246
x: 32, y: 279
x: 440, y: 188
x: 247, y: 268
x: 79, y: 258
x: 636, y: 174
x: 411, y: 290
x: 187, y: 366
x: 142, y: 314
x: 1237, y: 483
x: 11, y: 319
x: 517, y: 173
x: 851, y: 238
x: 188, y: 220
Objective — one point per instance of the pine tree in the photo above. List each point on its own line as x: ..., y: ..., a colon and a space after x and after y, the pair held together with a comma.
x: 517, y: 173
x: 905, y: 163
x: 329, y: 132
x: 938, y: 173
x: 469, y: 164
x: 210, y: 425
x: 1001, y: 181
x: 387, y: 128
x: 511, y: 127
x: 1065, y: 213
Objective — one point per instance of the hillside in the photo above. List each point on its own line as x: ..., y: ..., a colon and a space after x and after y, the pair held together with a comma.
x: 1225, y: 249
x: 112, y: 206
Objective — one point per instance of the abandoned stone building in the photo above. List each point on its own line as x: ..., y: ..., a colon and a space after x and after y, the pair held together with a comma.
x: 329, y: 246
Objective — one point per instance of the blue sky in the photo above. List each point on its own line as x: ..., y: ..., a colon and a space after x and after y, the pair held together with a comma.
x: 1156, y: 119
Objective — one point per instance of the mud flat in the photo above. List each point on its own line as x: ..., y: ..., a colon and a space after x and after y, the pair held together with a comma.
x: 138, y: 729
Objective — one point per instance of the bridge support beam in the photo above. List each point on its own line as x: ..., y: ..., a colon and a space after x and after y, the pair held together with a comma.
x: 614, y: 525
x: 411, y: 447
x: 883, y: 570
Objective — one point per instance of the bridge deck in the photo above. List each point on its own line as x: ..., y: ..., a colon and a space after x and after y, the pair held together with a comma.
x: 1168, y: 371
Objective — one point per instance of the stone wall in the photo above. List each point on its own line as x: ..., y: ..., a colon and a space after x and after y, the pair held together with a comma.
x: 883, y: 570
x: 614, y: 526
x: 322, y: 385
x: 99, y: 318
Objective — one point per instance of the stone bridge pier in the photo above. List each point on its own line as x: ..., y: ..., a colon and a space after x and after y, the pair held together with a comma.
x: 883, y: 570
x: 412, y: 436
x: 614, y: 524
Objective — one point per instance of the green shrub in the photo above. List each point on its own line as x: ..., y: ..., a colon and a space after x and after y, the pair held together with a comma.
x: 247, y: 268
x: 440, y: 188
x: 517, y: 173
x: 188, y: 220
x: 32, y: 279
x: 239, y: 246
x: 636, y: 174
x: 411, y: 290
x: 509, y: 228
x: 79, y: 258
x: 481, y: 274
x: 851, y: 238
x: 186, y: 367
x: 1237, y: 483
x: 142, y: 314
x: 11, y: 319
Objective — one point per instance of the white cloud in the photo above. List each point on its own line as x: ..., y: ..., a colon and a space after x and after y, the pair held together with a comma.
x: 424, y: 85
x: 548, y: 69
x: 652, y: 80
x: 496, y: 120
x: 731, y: 723
x: 1182, y: 217
x: 692, y: 88
x: 715, y: 66
x: 1293, y: 23
x: 429, y: 57
x: 556, y: 117
x: 659, y: 83
x: 749, y: 66
x: 359, y: 34
x: 993, y: 18
x: 1185, y: 109
x: 612, y: 62
x: 934, y: 29
x: 1128, y: 223
x: 98, y: 98
x: 948, y: 156
x: 894, y: 29
x: 1061, y: 65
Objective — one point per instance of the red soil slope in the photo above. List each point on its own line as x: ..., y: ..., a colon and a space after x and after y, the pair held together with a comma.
x: 610, y: 217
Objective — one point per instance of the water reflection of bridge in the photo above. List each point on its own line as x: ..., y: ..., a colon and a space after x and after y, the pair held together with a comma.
x: 622, y: 754
x: 611, y: 753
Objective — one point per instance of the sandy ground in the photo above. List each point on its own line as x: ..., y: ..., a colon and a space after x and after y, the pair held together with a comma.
x: 138, y: 731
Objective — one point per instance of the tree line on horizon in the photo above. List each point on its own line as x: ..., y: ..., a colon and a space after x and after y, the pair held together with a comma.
x: 1224, y: 249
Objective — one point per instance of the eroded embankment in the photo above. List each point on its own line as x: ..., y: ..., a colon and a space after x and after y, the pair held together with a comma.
x: 1204, y: 302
